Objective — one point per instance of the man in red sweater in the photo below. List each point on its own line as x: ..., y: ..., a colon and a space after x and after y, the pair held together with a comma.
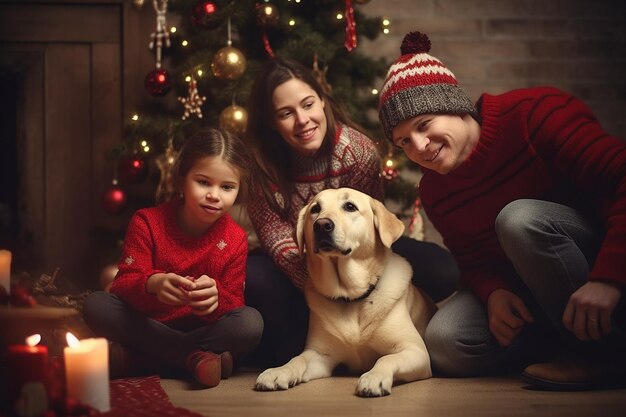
x: 529, y: 194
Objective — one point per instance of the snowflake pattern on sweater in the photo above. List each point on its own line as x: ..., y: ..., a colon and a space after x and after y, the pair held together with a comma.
x: 154, y: 243
x: 355, y: 163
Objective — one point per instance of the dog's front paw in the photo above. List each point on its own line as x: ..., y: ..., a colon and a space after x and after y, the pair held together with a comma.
x: 374, y: 384
x: 276, y: 379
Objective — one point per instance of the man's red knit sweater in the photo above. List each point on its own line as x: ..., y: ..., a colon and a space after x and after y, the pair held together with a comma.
x: 154, y: 243
x: 538, y: 143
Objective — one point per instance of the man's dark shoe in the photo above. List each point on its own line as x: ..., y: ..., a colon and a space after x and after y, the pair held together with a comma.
x: 575, y: 374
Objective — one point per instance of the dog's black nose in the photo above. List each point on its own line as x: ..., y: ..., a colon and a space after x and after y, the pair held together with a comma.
x: 323, y: 225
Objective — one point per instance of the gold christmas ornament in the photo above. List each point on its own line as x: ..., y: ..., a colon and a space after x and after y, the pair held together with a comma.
x: 228, y: 64
x: 234, y: 118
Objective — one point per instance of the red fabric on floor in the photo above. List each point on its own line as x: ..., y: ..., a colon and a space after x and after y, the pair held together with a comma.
x: 142, y: 397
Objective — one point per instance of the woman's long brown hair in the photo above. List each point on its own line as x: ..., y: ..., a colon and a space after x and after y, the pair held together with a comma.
x: 270, y: 153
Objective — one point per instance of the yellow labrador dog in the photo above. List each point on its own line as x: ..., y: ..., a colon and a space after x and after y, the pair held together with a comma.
x: 364, y: 311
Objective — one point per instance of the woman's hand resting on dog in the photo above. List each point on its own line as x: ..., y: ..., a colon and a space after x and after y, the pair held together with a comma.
x: 507, y: 315
x: 199, y: 293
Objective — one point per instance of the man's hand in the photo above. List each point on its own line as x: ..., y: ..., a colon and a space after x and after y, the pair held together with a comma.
x: 588, y: 312
x: 204, y: 296
x: 507, y: 315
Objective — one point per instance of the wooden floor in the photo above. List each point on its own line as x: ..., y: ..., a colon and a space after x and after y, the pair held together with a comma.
x: 437, y: 397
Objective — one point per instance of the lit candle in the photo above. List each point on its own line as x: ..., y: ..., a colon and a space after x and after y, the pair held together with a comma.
x: 87, y: 371
x: 28, y: 372
x: 5, y: 270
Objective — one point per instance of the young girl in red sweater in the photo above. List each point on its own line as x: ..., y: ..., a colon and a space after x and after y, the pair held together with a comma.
x: 177, y: 301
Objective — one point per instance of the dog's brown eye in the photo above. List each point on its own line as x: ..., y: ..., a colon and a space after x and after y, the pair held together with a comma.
x: 316, y: 208
x: 350, y: 207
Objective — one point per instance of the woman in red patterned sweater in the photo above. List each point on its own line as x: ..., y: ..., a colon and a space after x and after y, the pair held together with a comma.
x: 529, y: 194
x: 304, y: 143
x: 177, y: 301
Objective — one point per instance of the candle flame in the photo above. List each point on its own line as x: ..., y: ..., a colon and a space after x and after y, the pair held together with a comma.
x: 33, y: 339
x: 72, y: 341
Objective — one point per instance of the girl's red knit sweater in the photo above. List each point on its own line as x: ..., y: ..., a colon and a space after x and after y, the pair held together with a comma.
x: 154, y: 243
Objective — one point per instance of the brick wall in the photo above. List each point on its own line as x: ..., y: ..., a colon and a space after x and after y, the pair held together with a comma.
x: 497, y: 45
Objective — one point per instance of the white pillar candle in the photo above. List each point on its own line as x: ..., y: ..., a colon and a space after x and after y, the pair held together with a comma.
x: 5, y: 270
x: 87, y: 371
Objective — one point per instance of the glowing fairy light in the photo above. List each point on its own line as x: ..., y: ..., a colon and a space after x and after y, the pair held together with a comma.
x: 386, y: 28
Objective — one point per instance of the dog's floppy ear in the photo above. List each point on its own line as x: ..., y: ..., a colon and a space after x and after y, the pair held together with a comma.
x: 389, y: 227
x: 299, y: 237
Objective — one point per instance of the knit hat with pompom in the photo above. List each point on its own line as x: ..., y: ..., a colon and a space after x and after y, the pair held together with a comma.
x: 418, y: 83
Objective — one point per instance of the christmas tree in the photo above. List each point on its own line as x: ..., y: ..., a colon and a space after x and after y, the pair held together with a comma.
x: 205, y: 66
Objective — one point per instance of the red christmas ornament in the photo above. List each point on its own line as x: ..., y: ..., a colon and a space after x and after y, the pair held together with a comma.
x: 158, y: 82
x: 21, y: 296
x: 206, y: 15
x: 114, y: 200
x: 132, y: 170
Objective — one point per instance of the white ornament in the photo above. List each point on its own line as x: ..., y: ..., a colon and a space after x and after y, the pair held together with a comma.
x: 161, y: 33
x: 193, y: 102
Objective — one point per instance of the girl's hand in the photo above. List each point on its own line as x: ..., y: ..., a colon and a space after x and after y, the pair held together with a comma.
x: 507, y: 315
x: 204, y: 296
x: 170, y: 288
x: 588, y: 312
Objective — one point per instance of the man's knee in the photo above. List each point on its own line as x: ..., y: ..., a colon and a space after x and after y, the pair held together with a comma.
x: 448, y: 355
x: 514, y: 220
x: 458, y: 337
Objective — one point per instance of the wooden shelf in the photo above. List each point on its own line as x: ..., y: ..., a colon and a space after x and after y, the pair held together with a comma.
x: 37, y: 312
x: 16, y: 323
